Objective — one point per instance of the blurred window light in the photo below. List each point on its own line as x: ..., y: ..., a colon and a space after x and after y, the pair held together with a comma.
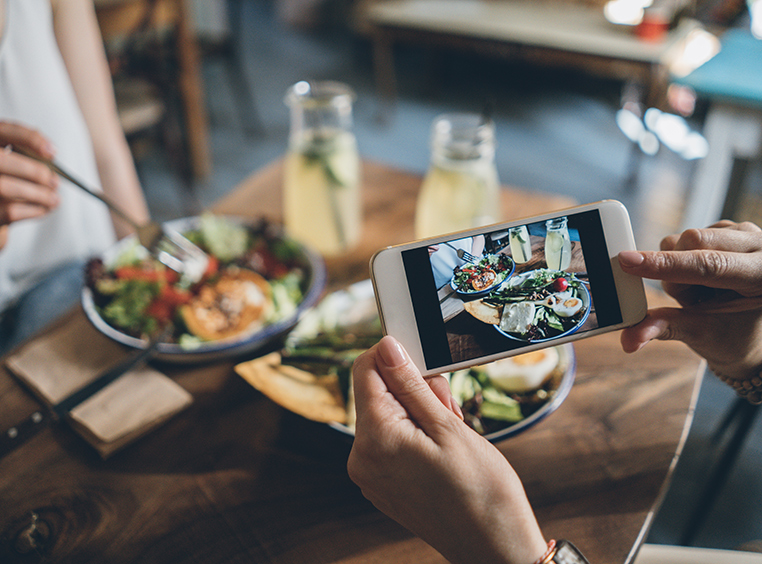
x: 625, y: 12
x: 630, y: 125
x: 648, y: 143
x: 657, y: 128
x: 696, y: 147
x: 635, y: 131
x: 302, y: 88
x: 698, y: 48
x: 755, y: 11
x: 673, y: 131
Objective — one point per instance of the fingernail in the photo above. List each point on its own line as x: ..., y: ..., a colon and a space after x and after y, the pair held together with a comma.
x: 51, y: 149
x: 631, y: 258
x: 391, y: 352
x: 456, y: 408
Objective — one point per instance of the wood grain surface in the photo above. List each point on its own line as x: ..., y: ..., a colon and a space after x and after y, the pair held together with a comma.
x: 236, y: 478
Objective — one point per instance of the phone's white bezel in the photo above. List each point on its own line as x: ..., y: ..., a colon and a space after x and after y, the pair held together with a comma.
x: 392, y: 295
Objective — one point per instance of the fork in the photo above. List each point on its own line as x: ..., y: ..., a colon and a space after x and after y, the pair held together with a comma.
x: 167, y: 245
x: 462, y: 254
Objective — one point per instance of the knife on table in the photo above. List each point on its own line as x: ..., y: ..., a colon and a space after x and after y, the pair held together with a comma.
x: 29, y: 427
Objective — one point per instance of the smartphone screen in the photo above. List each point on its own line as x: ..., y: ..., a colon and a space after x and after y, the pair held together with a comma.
x: 511, y: 288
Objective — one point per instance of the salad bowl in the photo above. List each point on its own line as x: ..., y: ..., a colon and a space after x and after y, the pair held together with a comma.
x: 560, y: 387
x: 468, y: 280
x: 313, y: 278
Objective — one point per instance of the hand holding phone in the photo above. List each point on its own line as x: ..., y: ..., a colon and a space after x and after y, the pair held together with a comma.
x: 472, y: 297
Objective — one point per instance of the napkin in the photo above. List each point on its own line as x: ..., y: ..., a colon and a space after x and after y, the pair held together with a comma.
x: 62, y: 361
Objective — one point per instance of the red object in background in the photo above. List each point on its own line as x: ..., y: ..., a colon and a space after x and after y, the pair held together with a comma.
x: 653, y: 27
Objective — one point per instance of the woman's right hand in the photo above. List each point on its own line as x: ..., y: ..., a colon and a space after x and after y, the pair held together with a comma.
x: 715, y: 274
x: 28, y: 188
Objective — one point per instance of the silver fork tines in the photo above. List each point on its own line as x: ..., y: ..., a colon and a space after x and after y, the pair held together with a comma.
x: 178, y: 253
x: 463, y: 254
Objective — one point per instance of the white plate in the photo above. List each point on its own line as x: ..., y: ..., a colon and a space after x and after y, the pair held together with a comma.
x: 227, y: 348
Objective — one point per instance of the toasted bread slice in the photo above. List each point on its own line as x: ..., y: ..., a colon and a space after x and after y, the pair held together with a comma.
x: 314, y: 397
x: 484, y: 312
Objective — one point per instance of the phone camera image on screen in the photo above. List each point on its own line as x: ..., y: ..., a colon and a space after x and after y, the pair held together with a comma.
x: 511, y: 288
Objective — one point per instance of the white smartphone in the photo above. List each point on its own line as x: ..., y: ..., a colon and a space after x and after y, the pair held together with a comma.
x: 472, y: 297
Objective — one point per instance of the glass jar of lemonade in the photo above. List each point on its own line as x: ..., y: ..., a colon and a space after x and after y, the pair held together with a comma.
x: 322, y: 201
x: 461, y: 187
x: 521, y: 246
x: 557, y: 244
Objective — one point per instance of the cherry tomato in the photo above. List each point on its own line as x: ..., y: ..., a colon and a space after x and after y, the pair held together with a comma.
x: 174, y: 296
x: 212, y: 267
x: 163, y: 307
x: 560, y: 284
x: 159, y: 310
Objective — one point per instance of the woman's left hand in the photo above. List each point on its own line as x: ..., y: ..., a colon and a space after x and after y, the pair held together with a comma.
x: 417, y: 461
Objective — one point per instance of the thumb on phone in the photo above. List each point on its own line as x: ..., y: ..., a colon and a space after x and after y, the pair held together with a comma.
x: 663, y: 324
x: 411, y: 390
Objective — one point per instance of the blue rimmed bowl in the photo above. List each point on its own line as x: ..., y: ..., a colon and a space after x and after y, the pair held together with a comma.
x: 313, y: 286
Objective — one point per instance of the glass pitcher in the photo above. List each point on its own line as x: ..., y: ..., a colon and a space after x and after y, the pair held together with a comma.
x: 322, y: 206
x: 557, y: 244
x: 521, y: 246
x: 461, y: 187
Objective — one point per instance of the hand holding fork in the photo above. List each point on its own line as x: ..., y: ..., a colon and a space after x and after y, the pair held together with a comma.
x: 168, y: 246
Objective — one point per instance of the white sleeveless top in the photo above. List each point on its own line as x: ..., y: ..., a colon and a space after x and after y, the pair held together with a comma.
x: 35, y: 90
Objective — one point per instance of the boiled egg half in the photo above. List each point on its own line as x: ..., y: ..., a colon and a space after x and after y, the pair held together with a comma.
x: 568, y: 307
x: 564, y: 304
x: 524, y: 372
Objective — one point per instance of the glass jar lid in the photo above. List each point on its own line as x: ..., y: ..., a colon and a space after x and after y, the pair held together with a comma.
x: 463, y: 136
x: 315, y: 94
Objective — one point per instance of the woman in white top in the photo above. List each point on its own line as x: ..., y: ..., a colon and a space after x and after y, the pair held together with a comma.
x: 56, y: 98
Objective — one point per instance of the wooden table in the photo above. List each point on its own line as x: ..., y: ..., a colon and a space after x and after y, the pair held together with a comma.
x: 236, y: 478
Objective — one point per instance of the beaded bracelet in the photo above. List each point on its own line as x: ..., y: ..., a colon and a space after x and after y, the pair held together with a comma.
x: 550, y: 552
x: 750, y: 389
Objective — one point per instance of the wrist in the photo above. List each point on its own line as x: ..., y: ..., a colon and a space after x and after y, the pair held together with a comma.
x: 550, y: 550
x: 746, y: 386
x: 562, y: 551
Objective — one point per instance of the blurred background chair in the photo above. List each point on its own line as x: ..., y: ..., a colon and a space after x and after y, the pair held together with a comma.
x: 157, y: 79
x: 224, y: 45
x: 731, y: 82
